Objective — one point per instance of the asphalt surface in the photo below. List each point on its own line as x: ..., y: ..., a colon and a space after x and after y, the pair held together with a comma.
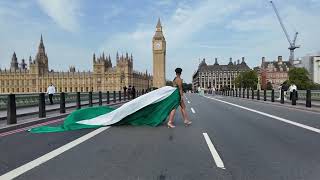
x: 251, y: 146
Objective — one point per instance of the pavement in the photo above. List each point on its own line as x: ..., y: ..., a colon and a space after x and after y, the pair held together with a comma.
x: 26, y: 111
x: 230, y: 139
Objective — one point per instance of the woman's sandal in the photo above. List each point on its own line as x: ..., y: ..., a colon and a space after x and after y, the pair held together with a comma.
x: 170, y: 125
x: 187, y: 123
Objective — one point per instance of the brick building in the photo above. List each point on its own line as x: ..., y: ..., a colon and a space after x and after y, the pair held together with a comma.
x: 275, y: 72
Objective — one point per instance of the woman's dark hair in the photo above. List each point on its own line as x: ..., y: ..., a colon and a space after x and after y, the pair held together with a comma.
x: 178, y: 70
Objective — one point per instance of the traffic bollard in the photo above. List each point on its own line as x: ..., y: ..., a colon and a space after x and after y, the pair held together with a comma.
x: 11, y: 109
x: 62, y: 103
x: 42, y: 105
x: 78, y: 101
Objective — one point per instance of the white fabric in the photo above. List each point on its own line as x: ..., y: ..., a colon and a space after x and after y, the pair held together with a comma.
x: 51, y: 90
x: 131, y: 107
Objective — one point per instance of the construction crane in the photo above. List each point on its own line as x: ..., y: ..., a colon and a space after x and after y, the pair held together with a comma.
x: 292, y: 44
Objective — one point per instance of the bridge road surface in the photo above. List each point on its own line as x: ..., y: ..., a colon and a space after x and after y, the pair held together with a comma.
x: 225, y: 141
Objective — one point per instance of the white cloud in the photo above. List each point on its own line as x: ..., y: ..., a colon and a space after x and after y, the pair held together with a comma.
x: 64, y: 13
x: 111, y: 12
x: 178, y: 30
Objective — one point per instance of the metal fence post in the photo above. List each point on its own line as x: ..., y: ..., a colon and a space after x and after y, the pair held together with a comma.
x: 308, y: 98
x: 42, y: 105
x: 62, y: 103
x: 252, y: 94
x: 90, y: 99
x: 114, y: 96
x: 100, y: 98
x: 265, y: 95
x: 11, y: 109
x: 272, y: 95
x: 142, y: 91
x: 78, y: 100
x: 247, y: 93
x: 108, y: 97
x: 258, y: 94
x: 119, y: 96
x: 282, y: 97
x: 236, y: 92
x: 294, y: 98
x: 243, y: 93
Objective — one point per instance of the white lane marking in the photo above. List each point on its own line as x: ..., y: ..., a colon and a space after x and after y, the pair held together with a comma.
x: 214, y: 152
x: 193, y: 111
x: 188, y: 102
x: 272, y: 116
x: 30, y: 165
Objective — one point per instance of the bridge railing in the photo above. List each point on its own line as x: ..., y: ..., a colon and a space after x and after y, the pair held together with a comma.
x: 39, y: 103
x: 275, y: 95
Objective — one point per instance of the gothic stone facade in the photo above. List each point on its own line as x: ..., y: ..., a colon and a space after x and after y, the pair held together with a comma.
x: 218, y: 76
x: 275, y: 72
x: 159, y: 57
x: 105, y: 77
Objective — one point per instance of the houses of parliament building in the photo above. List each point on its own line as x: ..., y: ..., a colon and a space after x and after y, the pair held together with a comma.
x: 36, y: 77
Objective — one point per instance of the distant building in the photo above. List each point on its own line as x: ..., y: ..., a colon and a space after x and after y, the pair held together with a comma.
x: 275, y: 72
x: 105, y: 77
x: 218, y: 76
x: 312, y: 64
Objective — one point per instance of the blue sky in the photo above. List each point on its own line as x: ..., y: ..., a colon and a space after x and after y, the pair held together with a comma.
x: 74, y: 29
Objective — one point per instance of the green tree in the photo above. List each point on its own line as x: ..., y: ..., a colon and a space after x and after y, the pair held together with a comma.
x: 300, y: 77
x: 247, y: 79
x: 315, y: 86
x: 269, y: 86
x: 169, y: 83
x: 186, y: 87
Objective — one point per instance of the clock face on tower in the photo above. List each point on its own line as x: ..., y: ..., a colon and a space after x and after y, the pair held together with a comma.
x: 157, y: 45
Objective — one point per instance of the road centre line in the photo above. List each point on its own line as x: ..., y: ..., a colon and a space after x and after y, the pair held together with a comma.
x: 214, y: 152
x: 32, y: 164
x: 271, y: 116
x: 193, y: 111
x: 188, y: 102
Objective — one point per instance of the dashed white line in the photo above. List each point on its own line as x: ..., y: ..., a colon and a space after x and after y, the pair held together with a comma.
x: 214, y: 152
x: 193, y: 111
x: 26, y: 167
x: 271, y: 116
x: 188, y: 102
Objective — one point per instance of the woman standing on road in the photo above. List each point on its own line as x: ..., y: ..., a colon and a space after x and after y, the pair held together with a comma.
x: 177, y: 82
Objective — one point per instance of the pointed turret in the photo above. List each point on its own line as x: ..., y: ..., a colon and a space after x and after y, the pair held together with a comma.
x: 158, y: 34
x: 30, y: 60
x: 23, y: 65
x: 117, y: 56
x: 230, y: 62
x: 216, y: 61
x: 242, y: 61
x: 14, y: 62
x: 94, y: 58
x: 159, y: 23
x: 41, y: 45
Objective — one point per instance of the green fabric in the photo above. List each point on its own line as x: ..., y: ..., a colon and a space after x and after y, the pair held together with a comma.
x: 151, y: 115
x: 70, y: 121
x: 154, y: 114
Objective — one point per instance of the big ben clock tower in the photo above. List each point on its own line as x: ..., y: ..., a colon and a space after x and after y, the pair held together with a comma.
x: 159, y: 57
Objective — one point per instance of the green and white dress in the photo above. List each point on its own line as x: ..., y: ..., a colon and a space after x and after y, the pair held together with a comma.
x: 150, y: 109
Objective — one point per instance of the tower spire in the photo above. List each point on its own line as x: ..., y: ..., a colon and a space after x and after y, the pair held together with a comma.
x: 159, y: 23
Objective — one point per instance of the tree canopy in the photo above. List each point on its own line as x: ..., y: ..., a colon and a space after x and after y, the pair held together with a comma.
x: 247, y: 79
x: 300, y: 77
